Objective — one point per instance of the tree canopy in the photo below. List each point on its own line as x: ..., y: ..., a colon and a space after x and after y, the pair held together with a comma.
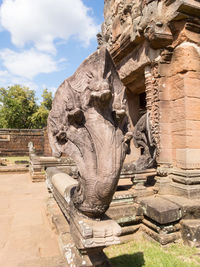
x: 19, y: 108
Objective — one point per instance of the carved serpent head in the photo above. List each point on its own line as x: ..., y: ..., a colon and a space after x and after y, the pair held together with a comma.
x: 89, y: 123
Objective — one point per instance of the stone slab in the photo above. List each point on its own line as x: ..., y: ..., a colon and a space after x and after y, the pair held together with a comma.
x: 190, y: 207
x: 161, y: 210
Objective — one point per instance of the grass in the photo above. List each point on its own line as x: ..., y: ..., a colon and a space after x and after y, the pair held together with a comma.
x: 15, y: 158
x: 144, y: 253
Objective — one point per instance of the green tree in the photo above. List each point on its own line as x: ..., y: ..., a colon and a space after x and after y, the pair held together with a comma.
x: 39, y: 118
x: 17, y: 105
x: 47, y: 99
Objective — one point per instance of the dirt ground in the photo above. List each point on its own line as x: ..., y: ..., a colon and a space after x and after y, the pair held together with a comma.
x: 26, y: 237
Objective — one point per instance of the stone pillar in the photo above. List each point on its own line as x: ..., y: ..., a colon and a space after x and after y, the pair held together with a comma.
x: 180, y: 114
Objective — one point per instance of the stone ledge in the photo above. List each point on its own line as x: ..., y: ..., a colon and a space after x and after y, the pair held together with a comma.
x: 190, y: 208
x: 70, y: 252
x: 163, y: 239
x: 187, y: 191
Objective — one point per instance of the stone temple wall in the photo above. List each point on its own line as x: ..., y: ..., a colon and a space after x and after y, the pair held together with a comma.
x: 155, y: 45
x: 15, y: 141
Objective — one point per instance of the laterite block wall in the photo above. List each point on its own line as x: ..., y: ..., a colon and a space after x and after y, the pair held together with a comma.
x: 15, y: 141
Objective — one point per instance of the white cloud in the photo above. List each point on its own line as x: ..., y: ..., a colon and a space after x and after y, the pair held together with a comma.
x: 3, y: 73
x: 27, y: 64
x: 41, y: 22
x: 7, y: 79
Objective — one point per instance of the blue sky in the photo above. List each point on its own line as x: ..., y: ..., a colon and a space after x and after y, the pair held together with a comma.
x: 44, y: 41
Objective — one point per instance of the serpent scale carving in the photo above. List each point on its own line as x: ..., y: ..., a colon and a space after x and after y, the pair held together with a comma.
x: 88, y: 122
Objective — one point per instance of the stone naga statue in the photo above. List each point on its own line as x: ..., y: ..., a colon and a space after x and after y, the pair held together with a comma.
x: 88, y: 122
x: 143, y: 139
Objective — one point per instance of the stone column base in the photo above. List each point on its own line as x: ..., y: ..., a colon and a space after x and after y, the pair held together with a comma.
x: 185, y: 183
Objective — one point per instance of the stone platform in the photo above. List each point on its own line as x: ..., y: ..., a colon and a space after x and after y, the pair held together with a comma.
x: 38, y: 165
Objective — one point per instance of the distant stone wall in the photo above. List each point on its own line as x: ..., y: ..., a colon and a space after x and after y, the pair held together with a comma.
x: 15, y: 141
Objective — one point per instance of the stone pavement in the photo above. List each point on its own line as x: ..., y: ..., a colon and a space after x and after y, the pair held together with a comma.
x: 26, y: 237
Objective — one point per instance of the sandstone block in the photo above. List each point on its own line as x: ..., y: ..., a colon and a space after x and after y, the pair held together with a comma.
x: 192, y: 108
x: 188, y: 158
x: 192, y: 84
x: 165, y: 155
x: 178, y: 112
x: 161, y: 210
x: 185, y: 58
x: 188, y: 191
x: 165, y: 111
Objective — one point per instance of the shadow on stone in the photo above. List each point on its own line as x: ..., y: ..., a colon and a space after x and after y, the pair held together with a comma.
x: 136, y: 260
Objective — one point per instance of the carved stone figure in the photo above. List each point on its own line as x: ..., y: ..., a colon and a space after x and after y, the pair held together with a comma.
x: 31, y: 149
x: 88, y: 122
x: 142, y: 138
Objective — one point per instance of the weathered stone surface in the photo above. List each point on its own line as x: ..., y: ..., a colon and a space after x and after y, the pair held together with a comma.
x: 131, y: 65
x: 155, y: 46
x: 162, y: 229
x: 89, y: 236
x: 185, y: 58
x: 89, y: 233
x: 89, y: 123
x: 163, y: 239
x: 188, y: 191
x: 187, y: 158
x: 143, y: 139
x: 162, y: 36
x: 129, y: 230
x: 161, y: 210
x: 188, y: 177
x: 123, y: 212
x: 190, y: 208
x: 190, y: 232
x: 69, y: 250
x: 38, y: 165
